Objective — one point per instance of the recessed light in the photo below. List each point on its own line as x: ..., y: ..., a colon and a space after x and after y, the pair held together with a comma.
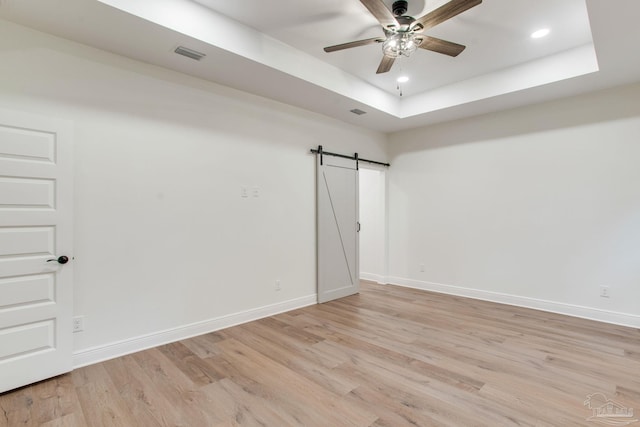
x: 403, y: 79
x: 540, y: 33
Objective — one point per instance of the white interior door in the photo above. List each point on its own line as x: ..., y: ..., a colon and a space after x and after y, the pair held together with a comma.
x: 337, y: 206
x: 36, y: 204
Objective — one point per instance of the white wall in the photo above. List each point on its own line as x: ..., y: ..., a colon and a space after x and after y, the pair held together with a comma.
x: 164, y: 244
x: 537, y: 206
x: 373, y: 237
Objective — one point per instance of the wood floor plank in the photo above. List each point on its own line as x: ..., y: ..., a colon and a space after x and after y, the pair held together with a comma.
x: 101, y: 403
x: 198, y: 371
x: 71, y: 420
x: 146, y: 404
x: 389, y: 356
x: 312, y: 404
x: 55, y: 399
x: 175, y: 386
x: 16, y: 407
x: 239, y: 406
x: 293, y: 354
x: 204, y: 345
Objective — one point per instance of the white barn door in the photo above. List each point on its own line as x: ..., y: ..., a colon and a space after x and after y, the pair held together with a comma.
x: 36, y: 292
x: 337, y: 212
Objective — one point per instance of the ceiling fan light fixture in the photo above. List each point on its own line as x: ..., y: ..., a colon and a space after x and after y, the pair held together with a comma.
x: 403, y: 79
x: 400, y: 43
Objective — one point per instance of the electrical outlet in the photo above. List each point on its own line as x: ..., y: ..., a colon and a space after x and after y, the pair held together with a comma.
x: 78, y: 324
x: 422, y: 268
x: 278, y: 286
x: 604, y: 292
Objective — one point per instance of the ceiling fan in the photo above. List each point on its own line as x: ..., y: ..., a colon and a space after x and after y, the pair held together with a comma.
x: 403, y: 34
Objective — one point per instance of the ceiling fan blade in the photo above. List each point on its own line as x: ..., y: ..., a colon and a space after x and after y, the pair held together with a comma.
x: 441, y: 46
x: 445, y: 12
x: 379, y: 10
x: 385, y: 64
x: 354, y: 44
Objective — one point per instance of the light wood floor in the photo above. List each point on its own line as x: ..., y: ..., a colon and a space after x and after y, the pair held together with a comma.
x: 387, y: 357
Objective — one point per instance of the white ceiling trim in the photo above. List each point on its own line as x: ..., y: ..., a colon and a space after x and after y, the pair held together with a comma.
x: 565, y: 65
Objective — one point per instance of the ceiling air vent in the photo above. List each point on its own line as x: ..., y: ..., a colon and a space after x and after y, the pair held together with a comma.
x: 189, y: 53
x: 358, y: 111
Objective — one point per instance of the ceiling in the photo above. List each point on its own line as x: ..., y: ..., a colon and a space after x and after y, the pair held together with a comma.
x: 274, y: 49
x: 495, y: 32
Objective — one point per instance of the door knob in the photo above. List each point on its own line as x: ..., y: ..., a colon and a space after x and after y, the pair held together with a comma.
x: 61, y: 259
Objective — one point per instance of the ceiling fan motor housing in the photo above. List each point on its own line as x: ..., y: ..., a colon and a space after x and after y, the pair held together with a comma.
x: 400, y: 7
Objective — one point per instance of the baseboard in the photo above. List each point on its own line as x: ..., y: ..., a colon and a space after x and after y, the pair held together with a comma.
x: 132, y: 345
x: 373, y: 278
x: 599, y: 315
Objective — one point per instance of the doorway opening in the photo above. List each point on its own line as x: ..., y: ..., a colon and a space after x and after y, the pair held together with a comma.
x: 373, y: 220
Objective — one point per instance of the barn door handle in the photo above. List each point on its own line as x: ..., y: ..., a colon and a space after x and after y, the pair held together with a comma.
x: 61, y: 259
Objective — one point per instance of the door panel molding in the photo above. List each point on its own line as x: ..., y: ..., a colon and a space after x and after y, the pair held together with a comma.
x: 36, y: 224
